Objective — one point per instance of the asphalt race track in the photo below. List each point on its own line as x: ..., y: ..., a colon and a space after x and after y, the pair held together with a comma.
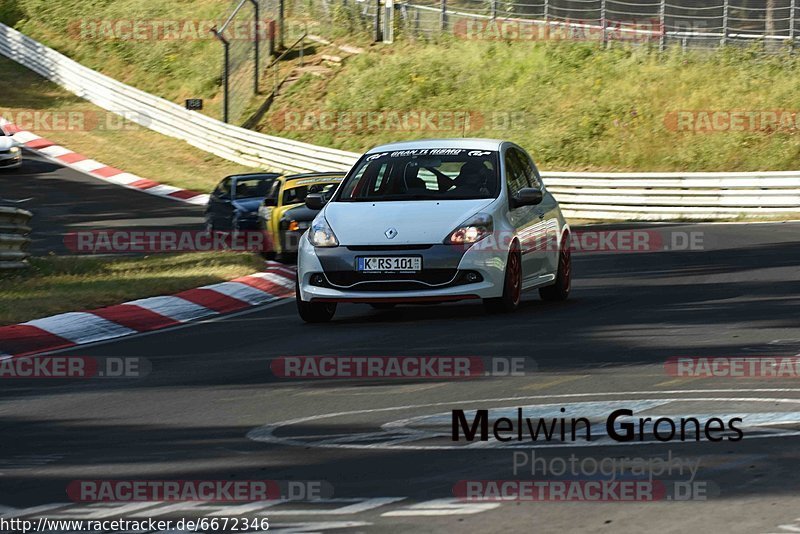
x: 210, y: 408
x: 64, y: 200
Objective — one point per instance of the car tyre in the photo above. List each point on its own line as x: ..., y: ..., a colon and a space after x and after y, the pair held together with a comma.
x: 512, y: 286
x: 313, y: 312
x: 560, y: 290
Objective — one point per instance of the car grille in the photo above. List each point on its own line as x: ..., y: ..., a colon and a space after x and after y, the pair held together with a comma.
x: 378, y: 248
x: 391, y: 282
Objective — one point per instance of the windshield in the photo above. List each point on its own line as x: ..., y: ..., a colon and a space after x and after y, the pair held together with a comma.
x: 252, y: 187
x: 297, y: 195
x: 427, y: 174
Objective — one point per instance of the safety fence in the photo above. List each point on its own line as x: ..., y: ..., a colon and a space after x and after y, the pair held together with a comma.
x: 688, y: 23
x: 14, y: 238
x: 632, y: 196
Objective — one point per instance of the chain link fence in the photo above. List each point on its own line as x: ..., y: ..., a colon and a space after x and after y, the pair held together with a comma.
x: 689, y: 23
x: 248, y: 44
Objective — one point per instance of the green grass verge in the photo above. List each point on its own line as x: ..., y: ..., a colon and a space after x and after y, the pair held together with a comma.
x: 61, y: 284
x: 580, y: 107
x: 131, y: 148
x: 172, y: 68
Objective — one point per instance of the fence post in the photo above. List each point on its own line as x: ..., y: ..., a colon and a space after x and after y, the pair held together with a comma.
x: 388, y: 21
x: 443, y: 18
x: 378, y: 21
x: 225, y: 74
x: 662, y: 20
x: 724, y: 23
x: 493, y: 8
x: 281, y: 19
x: 792, y: 8
x: 546, y: 11
x: 603, y: 20
x: 257, y: 35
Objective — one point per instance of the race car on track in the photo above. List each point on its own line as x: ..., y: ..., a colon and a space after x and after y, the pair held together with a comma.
x: 233, y: 204
x: 283, y: 214
x: 10, y: 151
x: 434, y: 221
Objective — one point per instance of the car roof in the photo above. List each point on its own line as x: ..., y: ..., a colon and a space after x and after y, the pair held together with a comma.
x: 457, y: 142
x: 264, y: 175
x: 313, y: 177
x: 315, y: 174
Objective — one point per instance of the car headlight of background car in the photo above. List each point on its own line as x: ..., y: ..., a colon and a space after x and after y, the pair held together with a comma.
x: 297, y: 226
x: 472, y: 230
x: 14, y: 150
x: 321, y: 234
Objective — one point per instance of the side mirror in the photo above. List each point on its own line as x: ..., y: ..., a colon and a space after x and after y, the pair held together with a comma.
x: 527, y: 196
x: 269, y: 202
x: 315, y: 201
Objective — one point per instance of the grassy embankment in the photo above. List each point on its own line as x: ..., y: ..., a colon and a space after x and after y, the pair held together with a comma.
x: 577, y: 106
x: 61, y: 284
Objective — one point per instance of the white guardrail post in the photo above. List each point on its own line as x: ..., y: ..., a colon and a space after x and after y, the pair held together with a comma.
x: 631, y: 196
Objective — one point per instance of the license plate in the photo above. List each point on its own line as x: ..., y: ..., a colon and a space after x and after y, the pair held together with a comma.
x: 389, y: 264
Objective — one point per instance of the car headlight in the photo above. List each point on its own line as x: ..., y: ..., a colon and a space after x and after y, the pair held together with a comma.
x: 14, y: 150
x: 295, y: 226
x: 472, y: 230
x: 321, y: 234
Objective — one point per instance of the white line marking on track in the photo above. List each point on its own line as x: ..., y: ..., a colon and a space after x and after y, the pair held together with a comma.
x: 265, y: 433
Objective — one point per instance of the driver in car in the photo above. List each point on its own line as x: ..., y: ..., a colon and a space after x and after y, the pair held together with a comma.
x: 472, y: 180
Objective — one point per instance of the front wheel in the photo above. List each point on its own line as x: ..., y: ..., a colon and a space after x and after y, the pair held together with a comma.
x: 560, y: 290
x: 313, y: 312
x: 512, y: 286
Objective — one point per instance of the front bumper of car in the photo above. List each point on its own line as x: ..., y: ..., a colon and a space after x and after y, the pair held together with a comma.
x: 10, y: 160
x: 448, y: 273
x: 245, y: 223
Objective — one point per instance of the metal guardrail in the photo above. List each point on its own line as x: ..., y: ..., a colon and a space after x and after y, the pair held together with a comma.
x: 631, y: 196
x: 224, y: 140
x: 670, y: 196
x: 14, y: 238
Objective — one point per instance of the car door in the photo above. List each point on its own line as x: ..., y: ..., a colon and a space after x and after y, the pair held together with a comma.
x: 220, y: 206
x: 527, y: 220
x: 269, y: 207
x: 547, y: 211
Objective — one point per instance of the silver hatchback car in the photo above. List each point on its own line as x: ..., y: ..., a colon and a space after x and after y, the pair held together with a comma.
x: 434, y: 221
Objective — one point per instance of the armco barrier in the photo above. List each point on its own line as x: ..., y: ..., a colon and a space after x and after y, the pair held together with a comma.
x: 229, y: 142
x: 14, y: 240
x: 631, y: 196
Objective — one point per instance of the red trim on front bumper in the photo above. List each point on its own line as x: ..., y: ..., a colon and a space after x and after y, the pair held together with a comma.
x: 398, y: 300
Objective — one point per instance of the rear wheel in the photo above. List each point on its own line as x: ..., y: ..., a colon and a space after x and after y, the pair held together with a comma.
x: 313, y: 312
x: 512, y: 287
x: 560, y: 290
